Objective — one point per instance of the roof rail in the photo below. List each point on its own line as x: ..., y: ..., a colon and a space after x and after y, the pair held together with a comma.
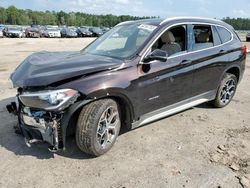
x: 187, y: 17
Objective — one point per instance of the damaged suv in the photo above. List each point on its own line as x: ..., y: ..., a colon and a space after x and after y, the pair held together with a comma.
x: 136, y: 73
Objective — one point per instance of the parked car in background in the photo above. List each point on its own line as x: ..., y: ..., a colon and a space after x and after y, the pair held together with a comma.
x: 248, y: 37
x: 52, y: 33
x: 33, y: 32
x: 13, y: 31
x: 42, y: 30
x: 68, y: 33
x: 84, y: 32
x: 96, y: 31
x: 2, y: 31
x: 156, y: 69
x: 73, y: 28
x: 105, y: 29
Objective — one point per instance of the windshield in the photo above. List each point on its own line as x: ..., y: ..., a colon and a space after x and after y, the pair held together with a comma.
x: 34, y: 29
x: 52, y: 29
x: 96, y: 29
x: 84, y: 30
x: 121, y: 41
x: 14, y: 29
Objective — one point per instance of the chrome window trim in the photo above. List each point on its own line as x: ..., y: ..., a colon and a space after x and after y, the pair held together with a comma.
x: 186, y: 23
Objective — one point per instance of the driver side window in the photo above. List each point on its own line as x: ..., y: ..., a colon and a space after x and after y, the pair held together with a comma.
x: 172, y: 41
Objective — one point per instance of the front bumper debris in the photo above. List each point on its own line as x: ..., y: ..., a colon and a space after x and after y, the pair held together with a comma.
x: 39, y: 126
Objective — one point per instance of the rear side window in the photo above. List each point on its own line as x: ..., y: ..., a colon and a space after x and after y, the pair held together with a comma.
x: 225, y: 35
x: 203, y: 37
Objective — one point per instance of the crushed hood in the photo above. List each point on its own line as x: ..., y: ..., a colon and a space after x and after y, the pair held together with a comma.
x: 45, y: 68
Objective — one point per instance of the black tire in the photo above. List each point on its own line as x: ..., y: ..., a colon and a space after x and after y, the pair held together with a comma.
x: 90, y: 124
x: 221, y: 101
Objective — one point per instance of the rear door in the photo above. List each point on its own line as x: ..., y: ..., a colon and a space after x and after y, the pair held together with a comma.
x: 209, y: 57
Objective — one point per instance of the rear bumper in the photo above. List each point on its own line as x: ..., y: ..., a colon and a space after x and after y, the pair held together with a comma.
x: 54, y: 35
x: 34, y: 35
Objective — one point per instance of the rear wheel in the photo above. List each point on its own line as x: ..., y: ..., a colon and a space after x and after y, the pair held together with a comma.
x: 226, y: 91
x: 98, y: 127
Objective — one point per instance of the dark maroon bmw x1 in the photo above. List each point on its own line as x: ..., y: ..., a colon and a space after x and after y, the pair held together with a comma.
x: 134, y: 74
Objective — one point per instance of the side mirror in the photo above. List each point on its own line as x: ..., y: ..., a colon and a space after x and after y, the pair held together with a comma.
x: 157, y: 54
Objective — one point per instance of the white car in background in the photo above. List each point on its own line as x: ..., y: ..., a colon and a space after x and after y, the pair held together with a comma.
x: 52, y: 33
x: 15, y: 32
x: 1, y: 33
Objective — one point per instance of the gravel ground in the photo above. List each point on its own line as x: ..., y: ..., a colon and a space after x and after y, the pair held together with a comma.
x: 200, y: 147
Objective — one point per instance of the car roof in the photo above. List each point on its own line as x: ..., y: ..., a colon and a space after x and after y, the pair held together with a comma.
x: 159, y: 21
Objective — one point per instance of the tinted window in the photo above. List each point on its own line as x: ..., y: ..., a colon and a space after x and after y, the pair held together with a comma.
x: 203, y: 37
x: 225, y: 35
x: 216, y: 36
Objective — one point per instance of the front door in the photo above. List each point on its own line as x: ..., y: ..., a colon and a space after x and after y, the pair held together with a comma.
x: 161, y: 84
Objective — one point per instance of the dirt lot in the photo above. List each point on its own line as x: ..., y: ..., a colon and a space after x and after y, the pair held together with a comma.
x: 201, y: 147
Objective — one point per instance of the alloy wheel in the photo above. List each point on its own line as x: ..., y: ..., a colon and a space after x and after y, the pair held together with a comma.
x: 228, y: 91
x: 108, y: 126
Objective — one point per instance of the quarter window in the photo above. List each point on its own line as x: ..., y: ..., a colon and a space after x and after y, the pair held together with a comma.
x: 203, y: 37
x: 225, y: 35
x: 216, y: 36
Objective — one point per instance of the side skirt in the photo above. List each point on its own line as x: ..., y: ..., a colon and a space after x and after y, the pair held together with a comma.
x: 174, y: 108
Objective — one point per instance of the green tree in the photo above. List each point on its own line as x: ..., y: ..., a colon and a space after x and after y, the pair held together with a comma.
x: 12, y: 14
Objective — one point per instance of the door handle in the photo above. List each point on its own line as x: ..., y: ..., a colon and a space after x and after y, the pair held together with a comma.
x: 157, y: 78
x: 222, y: 52
x: 186, y: 62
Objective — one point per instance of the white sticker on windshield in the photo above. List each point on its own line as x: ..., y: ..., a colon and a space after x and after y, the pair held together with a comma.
x: 147, y: 27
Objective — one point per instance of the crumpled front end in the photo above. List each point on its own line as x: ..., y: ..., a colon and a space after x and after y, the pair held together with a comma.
x: 44, y: 123
x: 47, y: 96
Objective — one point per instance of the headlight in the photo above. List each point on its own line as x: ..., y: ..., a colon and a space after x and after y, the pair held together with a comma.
x: 50, y: 99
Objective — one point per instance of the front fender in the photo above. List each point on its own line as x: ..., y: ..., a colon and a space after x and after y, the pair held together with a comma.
x: 68, y: 114
x: 124, y: 103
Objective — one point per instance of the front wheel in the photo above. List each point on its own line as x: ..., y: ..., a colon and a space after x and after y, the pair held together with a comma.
x: 226, y: 91
x: 98, y: 127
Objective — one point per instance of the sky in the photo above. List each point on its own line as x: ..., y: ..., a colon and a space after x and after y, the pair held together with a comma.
x: 162, y: 8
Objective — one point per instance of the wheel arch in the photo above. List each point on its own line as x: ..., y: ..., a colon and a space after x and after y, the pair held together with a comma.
x: 235, y: 70
x: 70, y: 117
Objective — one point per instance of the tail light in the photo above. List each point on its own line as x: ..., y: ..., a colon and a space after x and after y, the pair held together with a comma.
x: 244, y: 50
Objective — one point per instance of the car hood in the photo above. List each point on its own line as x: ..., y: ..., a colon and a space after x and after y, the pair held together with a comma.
x: 45, y: 68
